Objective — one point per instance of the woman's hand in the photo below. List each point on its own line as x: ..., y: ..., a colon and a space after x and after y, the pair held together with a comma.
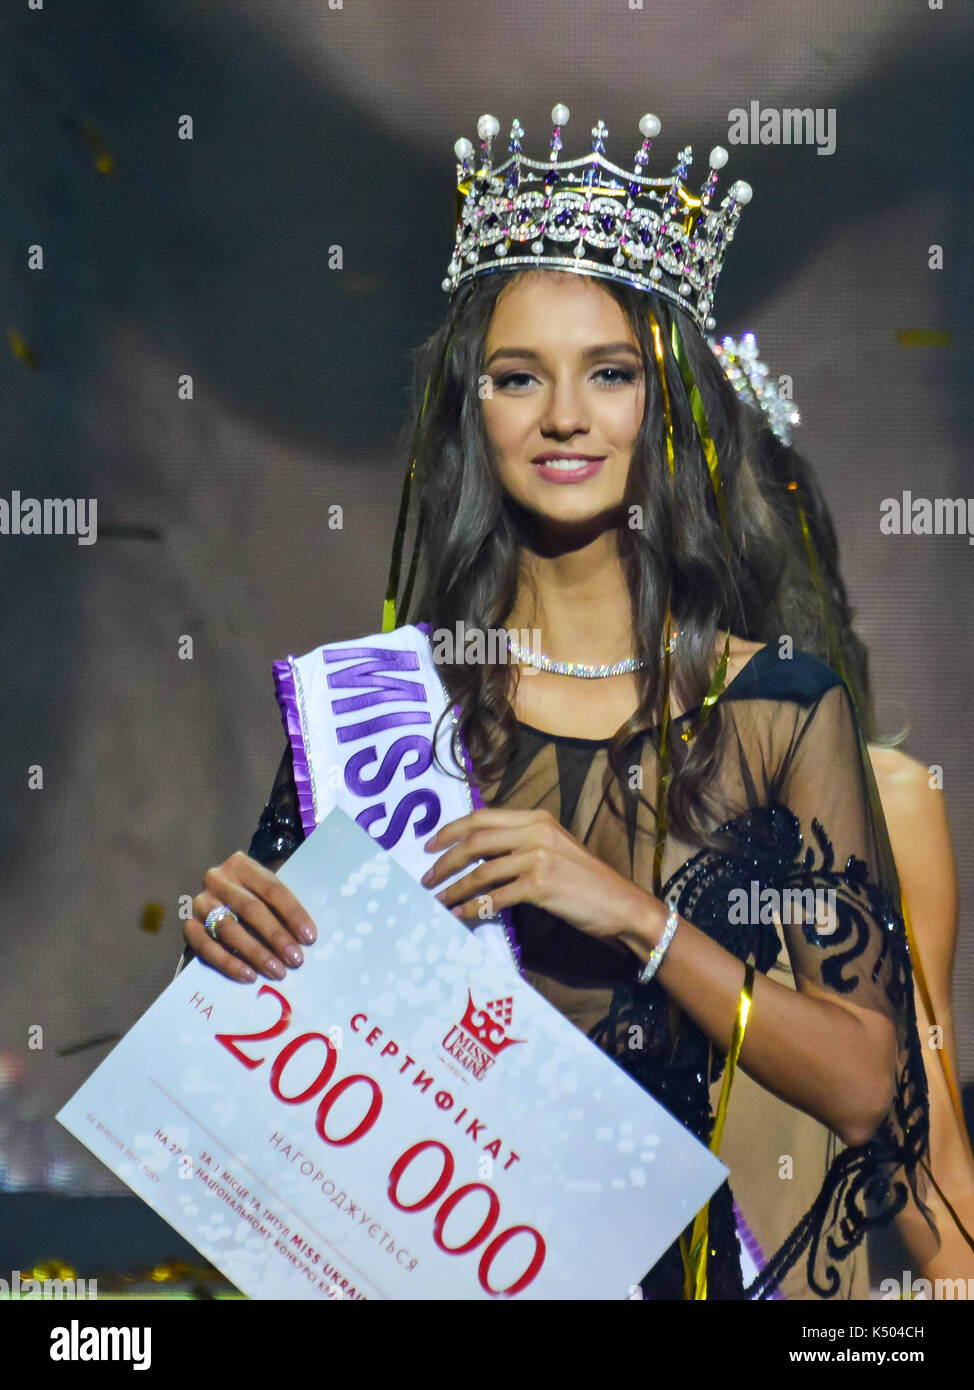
x: 531, y: 858
x: 272, y: 921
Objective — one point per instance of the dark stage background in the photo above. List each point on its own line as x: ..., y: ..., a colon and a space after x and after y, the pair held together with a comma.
x: 316, y: 126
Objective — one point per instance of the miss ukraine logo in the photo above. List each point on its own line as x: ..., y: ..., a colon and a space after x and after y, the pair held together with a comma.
x: 478, y: 1041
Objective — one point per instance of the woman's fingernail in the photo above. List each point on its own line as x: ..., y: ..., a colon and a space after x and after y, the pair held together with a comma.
x: 307, y: 933
x: 245, y: 973
x: 293, y: 956
x: 275, y: 968
x: 426, y: 877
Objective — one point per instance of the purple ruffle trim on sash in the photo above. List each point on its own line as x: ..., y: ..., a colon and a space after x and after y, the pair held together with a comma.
x: 749, y: 1241
x: 478, y: 805
x: 291, y: 719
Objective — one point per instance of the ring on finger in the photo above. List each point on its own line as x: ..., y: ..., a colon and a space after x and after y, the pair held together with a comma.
x: 214, y: 918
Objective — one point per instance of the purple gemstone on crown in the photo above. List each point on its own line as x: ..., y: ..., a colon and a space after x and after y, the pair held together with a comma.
x: 606, y: 222
x: 556, y: 138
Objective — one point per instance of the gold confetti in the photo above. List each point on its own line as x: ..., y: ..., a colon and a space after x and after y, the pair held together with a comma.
x: 20, y: 349
x: 95, y: 141
x: 920, y: 337
x: 170, y: 1271
x: 52, y: 1269
x: 351, y: 283
x: 152, y: 915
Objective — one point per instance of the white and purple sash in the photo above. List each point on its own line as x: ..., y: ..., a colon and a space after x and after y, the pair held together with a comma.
x: 360, y: 718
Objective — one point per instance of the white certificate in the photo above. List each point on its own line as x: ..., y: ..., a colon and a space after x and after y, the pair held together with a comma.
x: 402, y: 1117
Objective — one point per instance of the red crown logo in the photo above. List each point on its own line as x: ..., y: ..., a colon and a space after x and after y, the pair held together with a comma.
x: 489, y: 1025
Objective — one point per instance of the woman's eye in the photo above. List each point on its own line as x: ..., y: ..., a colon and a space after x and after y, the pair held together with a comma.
x: 615, y: 376
x: 515, y: 379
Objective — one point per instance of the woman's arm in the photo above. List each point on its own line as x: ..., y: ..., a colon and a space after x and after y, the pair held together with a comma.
x: 916, y: 817
x: 830, y: 1046
x: 829, y: 1058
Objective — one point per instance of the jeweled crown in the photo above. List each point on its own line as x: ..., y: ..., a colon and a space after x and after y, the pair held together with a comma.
x: 754, y: 385
x: 590, y: 216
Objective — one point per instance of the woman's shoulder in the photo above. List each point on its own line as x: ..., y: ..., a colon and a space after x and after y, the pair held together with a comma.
x: 905, y: 784
x: 780, y: 671
x: 896, y: 768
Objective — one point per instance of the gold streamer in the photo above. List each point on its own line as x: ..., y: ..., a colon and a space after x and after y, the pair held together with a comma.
x: 943, y: 1197
x: 663, y: 781
x: 695, y: 1257
x: 392, y: 585
x: 835, y: 646
x: 662, y: 785
x: 21, y: 349
x: 713, y: 467
x: 703, y: 429
x: 928, y: 1005
x: 153, y: 915
x: 713, y: 694
x: 667, y: 416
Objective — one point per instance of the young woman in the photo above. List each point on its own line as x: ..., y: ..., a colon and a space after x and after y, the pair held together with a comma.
x: 656, y: 751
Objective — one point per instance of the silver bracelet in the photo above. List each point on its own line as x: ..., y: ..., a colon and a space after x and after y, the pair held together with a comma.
x: 659, y: 951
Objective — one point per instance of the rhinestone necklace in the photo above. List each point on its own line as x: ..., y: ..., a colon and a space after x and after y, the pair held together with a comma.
x: 577, y: 668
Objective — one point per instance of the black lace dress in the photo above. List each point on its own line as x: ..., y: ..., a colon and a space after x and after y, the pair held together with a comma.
x: 805, y: 816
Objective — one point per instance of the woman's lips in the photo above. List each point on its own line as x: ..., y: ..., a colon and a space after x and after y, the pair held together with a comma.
x: 566, y: 469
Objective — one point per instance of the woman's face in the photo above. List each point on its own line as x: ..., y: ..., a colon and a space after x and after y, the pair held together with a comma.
x: 566, y: 384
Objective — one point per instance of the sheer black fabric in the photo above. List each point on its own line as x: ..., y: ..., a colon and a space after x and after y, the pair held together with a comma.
x: 804, y: 816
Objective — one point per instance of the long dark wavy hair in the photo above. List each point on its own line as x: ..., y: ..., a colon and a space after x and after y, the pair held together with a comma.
x: 788, y: 478
x: 470, y: 540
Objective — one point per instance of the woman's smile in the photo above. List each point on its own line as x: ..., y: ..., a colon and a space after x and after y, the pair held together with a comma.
x: 567, y: 468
